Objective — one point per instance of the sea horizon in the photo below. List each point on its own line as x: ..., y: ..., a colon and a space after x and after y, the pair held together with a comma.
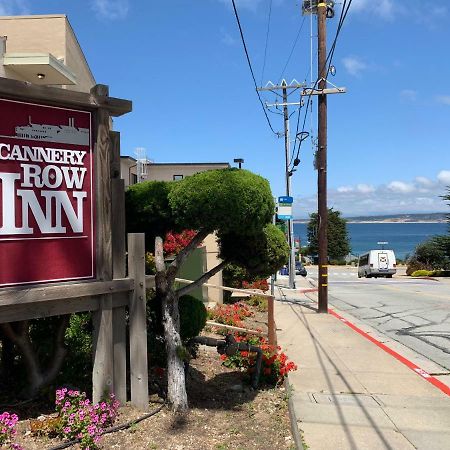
x: 402, y: 237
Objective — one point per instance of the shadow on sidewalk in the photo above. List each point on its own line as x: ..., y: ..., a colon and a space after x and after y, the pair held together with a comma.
x: 323, y: 355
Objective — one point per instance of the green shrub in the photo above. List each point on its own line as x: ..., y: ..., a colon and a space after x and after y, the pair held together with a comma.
x: 192, y: 321
x: 258, y: 301
x: 192, y: 317
x: 422, y: 273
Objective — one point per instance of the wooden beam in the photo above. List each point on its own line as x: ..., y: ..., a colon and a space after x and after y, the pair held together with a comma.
x: 102, y: 373
x: 138, y: 325
x: 103, y: 194
x: 29, y: 92
x: 119, y: 270
x: 62, y: 292
x: 14, y: 313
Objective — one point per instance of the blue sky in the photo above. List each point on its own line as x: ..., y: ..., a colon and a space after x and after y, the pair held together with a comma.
x: 182, y: 64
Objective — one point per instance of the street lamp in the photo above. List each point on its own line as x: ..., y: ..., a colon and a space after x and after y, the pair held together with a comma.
x: 240, y: 161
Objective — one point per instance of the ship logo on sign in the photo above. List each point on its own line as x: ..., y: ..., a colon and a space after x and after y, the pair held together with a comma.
x: 67, y: 134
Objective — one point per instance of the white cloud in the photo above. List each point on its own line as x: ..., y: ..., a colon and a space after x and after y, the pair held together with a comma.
x: 408, y: 94
x: 424, y: 182
x: 444, y: 99
x: 444, y: 177
x: 345, y: 189
x: 396, y: 197
x: 13, y: 7
x: 111, y: 9
x: 365, y: 188
x: 401, y: 187
x: 354, y: 65
x: 384, y: 9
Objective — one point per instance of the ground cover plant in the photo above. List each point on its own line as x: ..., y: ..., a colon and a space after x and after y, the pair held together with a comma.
x: 233, y: 314
x: 275, y: 365
x: 225, y: 411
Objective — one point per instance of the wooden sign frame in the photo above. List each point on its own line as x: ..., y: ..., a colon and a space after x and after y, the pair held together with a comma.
x: 112, y: 290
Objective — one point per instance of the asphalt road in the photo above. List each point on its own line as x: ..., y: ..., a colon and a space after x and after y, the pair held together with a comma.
x: 414, y: 312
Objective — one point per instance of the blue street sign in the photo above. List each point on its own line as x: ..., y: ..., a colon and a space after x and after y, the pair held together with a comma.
x: 285, y: 199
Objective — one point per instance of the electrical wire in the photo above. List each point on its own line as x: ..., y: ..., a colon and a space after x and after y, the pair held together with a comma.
x: 250, y: 66
x: 267, y: 40
x: 292, y: 50
x: 344, y: 12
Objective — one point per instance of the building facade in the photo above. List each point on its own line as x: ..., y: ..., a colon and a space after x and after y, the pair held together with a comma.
x: 43, y: 49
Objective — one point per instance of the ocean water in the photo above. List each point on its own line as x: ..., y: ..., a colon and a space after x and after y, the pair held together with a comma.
x: 401, y: 237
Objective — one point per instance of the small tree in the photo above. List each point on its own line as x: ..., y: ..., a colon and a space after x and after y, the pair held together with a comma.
x: 338, y: 241
x: 434, y: 253
x: 235, y: 204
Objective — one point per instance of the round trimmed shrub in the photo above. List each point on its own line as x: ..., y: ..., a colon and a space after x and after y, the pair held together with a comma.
x: 192, y: 317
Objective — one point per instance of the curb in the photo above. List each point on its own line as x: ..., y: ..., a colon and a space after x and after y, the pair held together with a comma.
x: 298, y: 441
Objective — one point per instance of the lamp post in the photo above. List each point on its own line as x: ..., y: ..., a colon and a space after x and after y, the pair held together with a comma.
x: 240, y: 161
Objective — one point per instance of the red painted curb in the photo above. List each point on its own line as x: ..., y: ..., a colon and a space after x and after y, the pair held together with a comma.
x: 419, y: 371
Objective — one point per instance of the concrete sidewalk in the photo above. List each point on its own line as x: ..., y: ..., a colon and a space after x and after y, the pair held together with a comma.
x: 350, y: 394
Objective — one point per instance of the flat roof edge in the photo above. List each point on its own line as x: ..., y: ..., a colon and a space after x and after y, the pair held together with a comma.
x: 37, y: 16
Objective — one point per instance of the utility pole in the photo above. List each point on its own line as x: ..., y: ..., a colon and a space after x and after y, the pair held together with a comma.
x: 322, y: 159
x: 293, y: 86
x: 290, y: 229
x: 321, y: 90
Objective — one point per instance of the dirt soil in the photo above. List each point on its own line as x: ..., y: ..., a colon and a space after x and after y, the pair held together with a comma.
x: 225, y: 413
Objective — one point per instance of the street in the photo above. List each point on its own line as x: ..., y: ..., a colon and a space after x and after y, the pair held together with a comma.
x: 414, y: 312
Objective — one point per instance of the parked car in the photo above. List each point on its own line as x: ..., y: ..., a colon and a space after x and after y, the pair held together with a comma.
x: 300, y: 269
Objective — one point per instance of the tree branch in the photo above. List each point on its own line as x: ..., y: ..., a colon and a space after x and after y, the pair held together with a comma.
x: 205, y: 277
x: 60, y: 350
x: 181, y: 257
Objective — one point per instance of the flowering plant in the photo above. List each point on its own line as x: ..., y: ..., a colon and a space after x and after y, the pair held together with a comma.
x: 275, y: 365
x: 175, y: 242
x: 230, y: 314
x: 80, y: 419
x: 257, y: 284
x: 7, y: 430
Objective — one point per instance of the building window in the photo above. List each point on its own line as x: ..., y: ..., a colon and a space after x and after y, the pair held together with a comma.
x: 134, y: 179
x: 177, y: 177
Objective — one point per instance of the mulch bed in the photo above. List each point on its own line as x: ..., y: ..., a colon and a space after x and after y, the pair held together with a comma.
x: 225, y: 413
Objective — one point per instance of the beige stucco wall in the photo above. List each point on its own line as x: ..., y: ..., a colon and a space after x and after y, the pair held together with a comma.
x: 127, y: 167
x: 212, y: 260
x: 47, y: 34
x: 166, y: 172
x: 76, y: 61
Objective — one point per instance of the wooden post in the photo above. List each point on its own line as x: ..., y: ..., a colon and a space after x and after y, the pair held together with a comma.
x: 103, y: 375
x: 271, y: 321
x: 119, y: 270
x: 138, y: 325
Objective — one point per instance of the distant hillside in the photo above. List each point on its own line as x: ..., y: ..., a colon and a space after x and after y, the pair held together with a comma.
x: 394, y: 218
x: 403, y: 218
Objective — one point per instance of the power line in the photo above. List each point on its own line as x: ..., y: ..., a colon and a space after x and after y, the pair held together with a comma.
x: 267, y: 40
x: 293, y: 48
x: 250, y: 66
x: 344, y: 12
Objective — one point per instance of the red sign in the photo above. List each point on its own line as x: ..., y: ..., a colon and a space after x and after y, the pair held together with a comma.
x: 46, y: 194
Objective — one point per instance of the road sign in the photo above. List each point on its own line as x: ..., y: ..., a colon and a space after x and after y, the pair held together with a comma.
x: 284, y: 208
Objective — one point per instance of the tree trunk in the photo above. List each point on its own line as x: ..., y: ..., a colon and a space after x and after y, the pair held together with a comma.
x: 176, y: 389
x: 37, y: 377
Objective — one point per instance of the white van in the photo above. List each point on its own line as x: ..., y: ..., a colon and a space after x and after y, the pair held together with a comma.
x: 377, y: 263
